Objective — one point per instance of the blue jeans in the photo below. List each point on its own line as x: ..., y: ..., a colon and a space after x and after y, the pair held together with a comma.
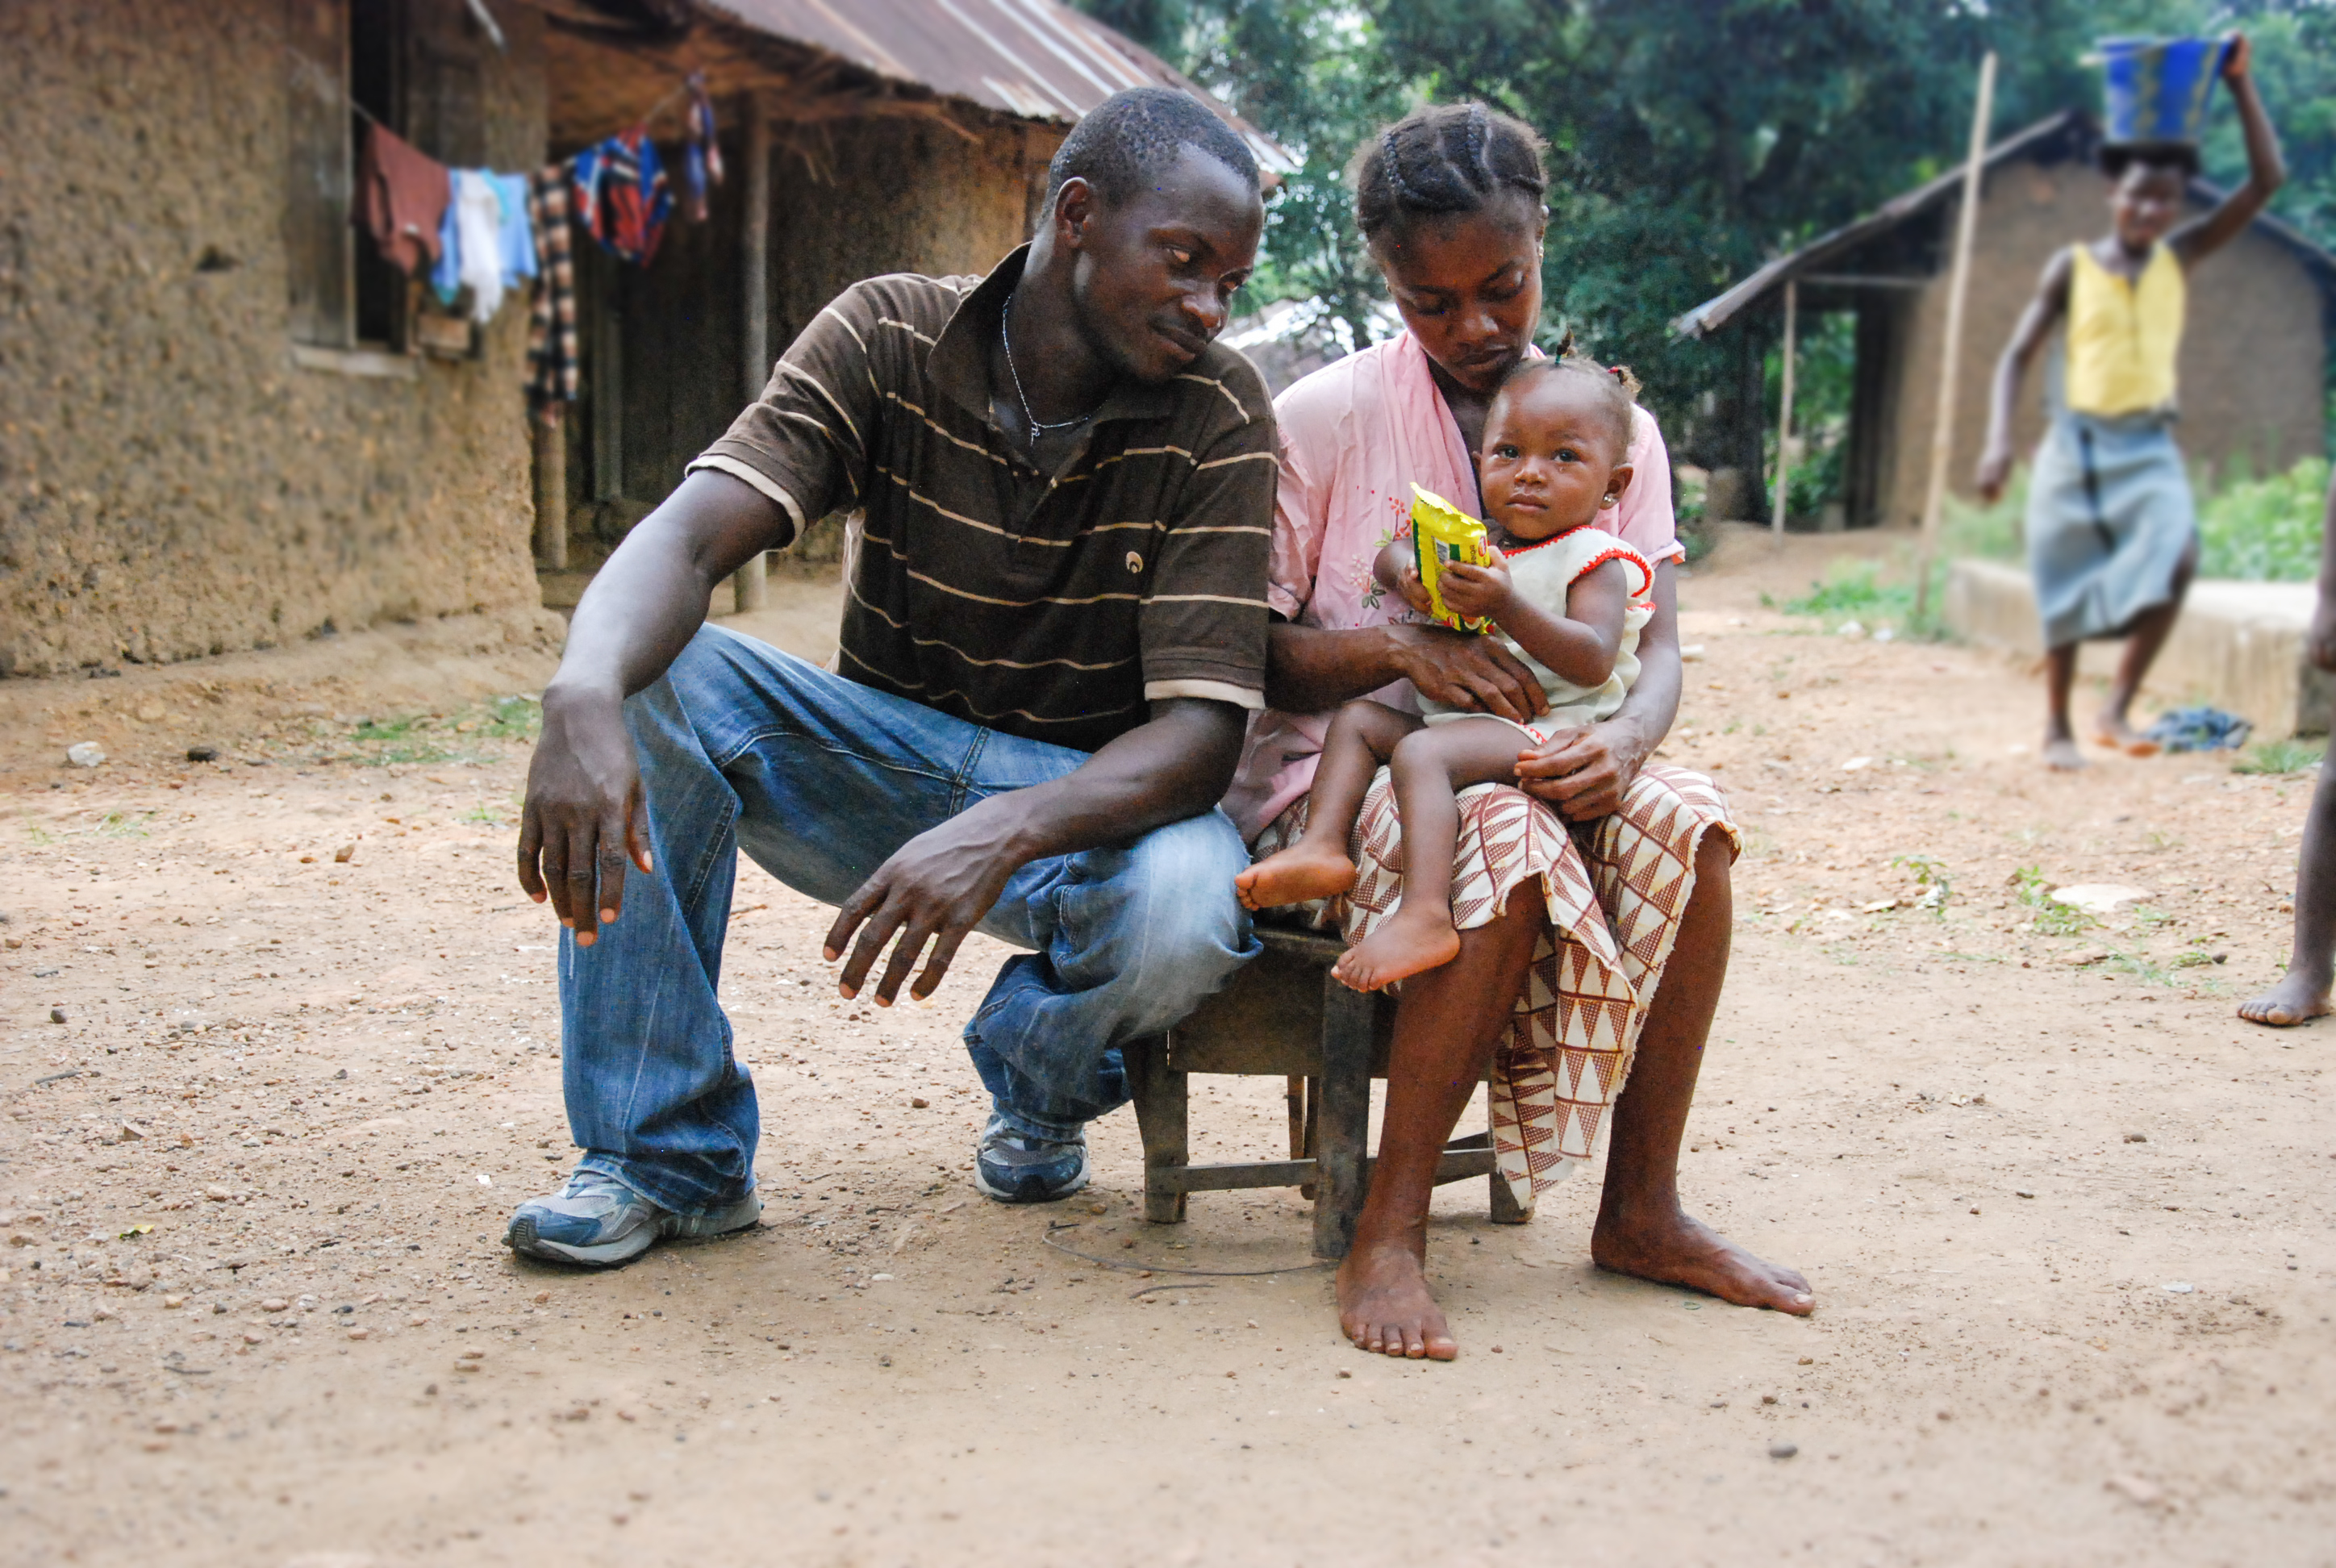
x: 821, y: 779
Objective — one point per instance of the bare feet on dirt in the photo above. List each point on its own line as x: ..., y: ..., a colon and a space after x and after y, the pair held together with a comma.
x: 1294, y: 876
x: 1680, y: 1249
x: 2061, y: 756
x: 1395, y: 952
x: 1384, y: 1305
x: 2293, y: 1001
x: 2111, y: 731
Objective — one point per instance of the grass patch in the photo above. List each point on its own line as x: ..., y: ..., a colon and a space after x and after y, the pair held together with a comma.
x: 42, y: 837
x: 2140, y: 967
x: 431, y: 737
x: 2280, y: 756
x: 119, y: 825
x: 2034, y: 888
x: 1931, y: 878
x: 1857, y: 590
x: 488, y: 816
x: 2266, y: 529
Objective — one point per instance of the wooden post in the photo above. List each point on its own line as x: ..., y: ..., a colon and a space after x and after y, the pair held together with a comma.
x: 551, y: 490
x: 1162, y: 1101
x: 1785, y: 408
x: 1943, y: 427
x: 1342, y: 1134
x: 751, y: 586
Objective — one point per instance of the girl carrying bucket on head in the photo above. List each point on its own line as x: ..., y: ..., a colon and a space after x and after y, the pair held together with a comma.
x: 2112, y: 535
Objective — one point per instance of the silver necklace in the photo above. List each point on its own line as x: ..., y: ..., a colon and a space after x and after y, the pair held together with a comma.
x: 1037, y: 426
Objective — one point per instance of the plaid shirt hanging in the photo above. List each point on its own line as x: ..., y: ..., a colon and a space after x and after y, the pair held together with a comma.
x: 553, y: 374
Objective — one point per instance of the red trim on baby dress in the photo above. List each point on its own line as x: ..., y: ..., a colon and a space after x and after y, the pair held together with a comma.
x: 1553, y: 539
x: 1646, y: 572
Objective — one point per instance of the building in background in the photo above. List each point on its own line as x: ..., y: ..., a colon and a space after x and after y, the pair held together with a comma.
x: 227, y: 423
x: 2254, y: 360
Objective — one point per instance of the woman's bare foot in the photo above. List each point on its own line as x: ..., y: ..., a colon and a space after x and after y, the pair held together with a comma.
x: 1385, y: 1308
x: 2111, y: 731
x: 1294, y: 876
x: 1676, y: 1250
x: 2061, y: 756
x: 1395, y: 952
x: 2293, y: 1001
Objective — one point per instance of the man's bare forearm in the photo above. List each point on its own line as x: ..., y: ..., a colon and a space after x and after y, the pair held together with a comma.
x: 1178, y: 765
x: 1311, y: 669
x: 645, y: 604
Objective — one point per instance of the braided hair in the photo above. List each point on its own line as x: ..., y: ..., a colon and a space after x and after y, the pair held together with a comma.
x: 1450, y: 158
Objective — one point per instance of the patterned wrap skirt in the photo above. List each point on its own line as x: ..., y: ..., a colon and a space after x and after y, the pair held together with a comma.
x: 2109, y: 514
x: 1615, y: 891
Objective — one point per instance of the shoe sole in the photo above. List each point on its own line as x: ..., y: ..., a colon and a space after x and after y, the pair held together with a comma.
x: 982, y: 1185
x: 522, y: 1238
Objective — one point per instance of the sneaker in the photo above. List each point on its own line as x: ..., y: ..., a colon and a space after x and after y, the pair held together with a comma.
x: 599, y: 1221
x: 1016, y: 1168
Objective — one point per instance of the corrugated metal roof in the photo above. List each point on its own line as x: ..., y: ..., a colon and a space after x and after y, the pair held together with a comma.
x: 1033, y: 58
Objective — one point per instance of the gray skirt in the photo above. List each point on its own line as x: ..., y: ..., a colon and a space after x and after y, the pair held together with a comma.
x: 2109, y: 515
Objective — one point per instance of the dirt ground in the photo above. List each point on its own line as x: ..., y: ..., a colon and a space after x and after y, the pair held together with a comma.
x: 2068, y: 1220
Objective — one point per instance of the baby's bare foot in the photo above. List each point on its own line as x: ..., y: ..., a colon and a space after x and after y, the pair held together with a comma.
x: 2293, y: 1001
x: 1294, y: 876
x: 1395, y: 952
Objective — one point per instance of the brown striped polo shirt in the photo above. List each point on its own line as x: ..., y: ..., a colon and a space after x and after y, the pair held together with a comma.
x: 1048, y: 606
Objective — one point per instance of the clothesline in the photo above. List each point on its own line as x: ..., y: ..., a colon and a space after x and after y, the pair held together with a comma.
x: 324, y: 87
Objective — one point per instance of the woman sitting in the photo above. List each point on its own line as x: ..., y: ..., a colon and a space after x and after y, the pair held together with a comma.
x: 1609, y: 968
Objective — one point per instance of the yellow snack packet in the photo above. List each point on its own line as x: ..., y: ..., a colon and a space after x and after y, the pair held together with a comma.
x: 1443, y: 535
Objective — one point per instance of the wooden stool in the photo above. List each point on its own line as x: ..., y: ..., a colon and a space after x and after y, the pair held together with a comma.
x: 1283, y: 1016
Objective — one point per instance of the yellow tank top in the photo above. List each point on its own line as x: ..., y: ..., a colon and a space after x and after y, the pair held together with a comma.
x: 2122, y: 337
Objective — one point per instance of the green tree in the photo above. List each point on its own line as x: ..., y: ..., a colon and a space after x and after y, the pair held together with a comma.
x: 1692, y: 140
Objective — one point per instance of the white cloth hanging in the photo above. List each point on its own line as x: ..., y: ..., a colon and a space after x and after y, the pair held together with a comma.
x: 478, y: 227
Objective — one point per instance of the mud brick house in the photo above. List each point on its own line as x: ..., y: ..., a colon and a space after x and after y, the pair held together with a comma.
x: 225, y: 424
x: 2254, y: 361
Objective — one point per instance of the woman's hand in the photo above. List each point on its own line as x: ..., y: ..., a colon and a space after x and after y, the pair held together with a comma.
x: 2242, y: 57
x: 1477, y: 592
x: 1994, y: 472
x: 2320, y: 642
x: 1584, y: 773
x: 1474, y: 674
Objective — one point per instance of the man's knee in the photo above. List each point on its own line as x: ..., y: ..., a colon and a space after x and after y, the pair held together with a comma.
x: 1191, y: 933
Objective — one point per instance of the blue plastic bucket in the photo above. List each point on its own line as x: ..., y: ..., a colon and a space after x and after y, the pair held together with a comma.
x: 2157, y: 87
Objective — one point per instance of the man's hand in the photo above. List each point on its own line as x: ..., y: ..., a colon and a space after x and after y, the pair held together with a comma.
x: 1474, y: 673
x: 938, y: 885
x: 1994, y: 472
x: 584, y: 815
x: 1584, y: 773
x: 1477, y: 592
